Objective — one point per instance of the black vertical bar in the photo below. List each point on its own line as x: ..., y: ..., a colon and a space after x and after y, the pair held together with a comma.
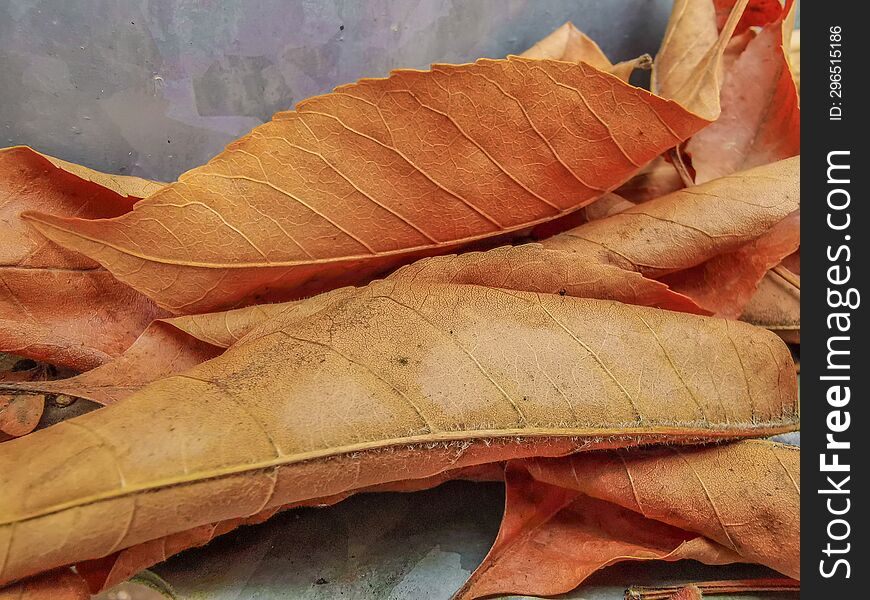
x: 835, y: 234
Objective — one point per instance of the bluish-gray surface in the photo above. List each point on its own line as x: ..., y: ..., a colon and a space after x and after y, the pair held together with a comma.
x: 419, y: 546
x: 153, y: 88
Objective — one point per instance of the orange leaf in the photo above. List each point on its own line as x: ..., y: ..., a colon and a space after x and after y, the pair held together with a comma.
x: 360, y: 181
x: 726, y: 284
x: 572, y: 45
x: 61, y: 584
x: 745, y: 496
x: 712, y: 242
x: 309, y: 408
x: 760, y: 118
x: 553, y: 538
x: 53, y: 300
x: 167, y: 346
x: 566, y: 518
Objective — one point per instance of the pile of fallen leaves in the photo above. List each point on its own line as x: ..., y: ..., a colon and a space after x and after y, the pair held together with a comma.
x: 589, y: 276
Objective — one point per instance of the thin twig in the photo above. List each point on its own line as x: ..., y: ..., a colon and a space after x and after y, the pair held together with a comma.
x: 788, y: 276
x: 715, y: 587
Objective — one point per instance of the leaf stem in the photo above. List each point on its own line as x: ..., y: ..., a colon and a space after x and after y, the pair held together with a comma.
x: 788, y: 276
x: 715, y: 587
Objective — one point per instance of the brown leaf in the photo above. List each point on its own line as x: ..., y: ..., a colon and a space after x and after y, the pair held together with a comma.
x: 166, y: 347
x: 53, y: 300
x: 553, y: 538
x: 776, y: 306
x: 698, y: 239
x: 689, y: 65
x: 566, y: 518
x: 725, y: 285
x: 760, y: 118
x: 310, y: 408
x: 61, y: 584
x: 745, y: 496
x: 377, y: 173
x: 572, y: 45
x: 19, y: 414
x: 172, y: 345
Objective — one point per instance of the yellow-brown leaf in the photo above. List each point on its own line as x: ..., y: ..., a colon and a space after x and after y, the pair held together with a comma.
x: 309, y: 408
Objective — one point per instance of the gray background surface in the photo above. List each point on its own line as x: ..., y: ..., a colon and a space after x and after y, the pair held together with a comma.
x: 156, y: 87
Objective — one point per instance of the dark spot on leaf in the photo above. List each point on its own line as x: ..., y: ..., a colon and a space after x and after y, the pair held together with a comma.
x: 321, y: 581
x: 562, y: 292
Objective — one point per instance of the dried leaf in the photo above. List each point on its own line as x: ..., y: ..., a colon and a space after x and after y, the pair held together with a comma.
x: 52, y: 300
x: 553, y: 538
x: 166, y: 347
x: 689, y: 65
x: 19, y: 414
x: 61, y: 584
x: 698, y: 239
x: 776, y: 306
x: 745, y: 496
x: 567, y: 518
x: 172, y: 345
x: 309, y: 408
x: 725, y: 285
x: 357, y: 182
x: 760, y: 118
x: 572, y: 45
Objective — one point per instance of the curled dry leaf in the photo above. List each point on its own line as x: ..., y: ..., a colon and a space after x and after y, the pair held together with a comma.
x: 760, y: 118
x: 725, y: 285
x: 172, y: 345
x: 377, y: 173
x: 568, y: 517
x: 52, y: 300
x: 689, y: 65
x: 700, y: 237
x: 310, y: 408
x: 553, y: 538
x: 776, y: 306
x: 572, y: 45
x: 745, y: 496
